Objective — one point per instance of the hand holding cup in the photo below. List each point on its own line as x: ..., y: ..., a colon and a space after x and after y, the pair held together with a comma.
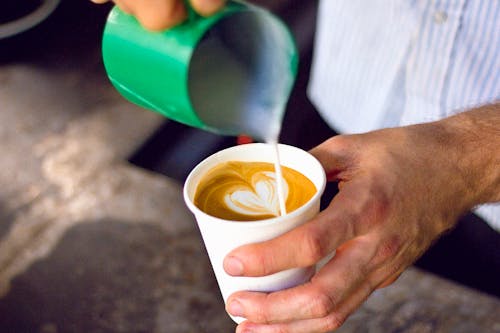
x: 224, y: 235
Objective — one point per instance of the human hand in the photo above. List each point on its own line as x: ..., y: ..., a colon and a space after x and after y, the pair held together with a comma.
x: 162, y: 14
x: 399, y: 189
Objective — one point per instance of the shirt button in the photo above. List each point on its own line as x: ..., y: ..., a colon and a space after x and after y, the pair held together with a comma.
x: 440, y: 17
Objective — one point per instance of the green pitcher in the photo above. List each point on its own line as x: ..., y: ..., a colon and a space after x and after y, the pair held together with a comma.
x: 230, y: 73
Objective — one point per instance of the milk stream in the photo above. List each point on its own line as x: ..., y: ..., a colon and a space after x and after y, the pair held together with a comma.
x: 279, y: 176
x: 279, y: 181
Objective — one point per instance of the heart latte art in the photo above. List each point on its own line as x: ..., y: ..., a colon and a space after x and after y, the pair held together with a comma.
x: 247, y: 191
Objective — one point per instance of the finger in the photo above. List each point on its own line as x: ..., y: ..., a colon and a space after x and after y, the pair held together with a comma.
x: 332, y: 321
x: 123, y: 5
x: 348, y: 269
x: 301, y: 247
x: 389, y: 281
x: 99, y: 1
x: 273, y: 307
x: 156, y: 15
x: 207, y: 7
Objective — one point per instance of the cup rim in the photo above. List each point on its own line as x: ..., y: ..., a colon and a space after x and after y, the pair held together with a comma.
x: 256, y: 223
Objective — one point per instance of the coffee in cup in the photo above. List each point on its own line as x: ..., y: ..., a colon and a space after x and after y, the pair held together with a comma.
x: 248, y: 191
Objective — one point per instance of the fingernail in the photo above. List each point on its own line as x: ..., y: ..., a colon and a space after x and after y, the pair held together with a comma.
x: 236, y: 309
x: 233, y: 266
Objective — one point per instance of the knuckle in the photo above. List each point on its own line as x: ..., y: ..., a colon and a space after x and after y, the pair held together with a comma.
x: 261, y: 314
x: 368, y: 287
x: 257, y: 259
x: 388, y: 249
x: 341, y: 142
x: 281, y: 329
x: 334, y: 321
x: 265, y: 260
x: 315, y: 247
x: 321, y: 305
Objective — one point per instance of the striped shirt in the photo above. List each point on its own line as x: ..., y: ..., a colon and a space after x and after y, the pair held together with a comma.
x: 385, y: 63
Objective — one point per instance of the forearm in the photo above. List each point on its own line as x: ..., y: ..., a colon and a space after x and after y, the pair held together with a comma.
x: 471, y: 140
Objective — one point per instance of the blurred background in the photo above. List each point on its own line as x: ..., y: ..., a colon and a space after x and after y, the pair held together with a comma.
x: 94, y: 236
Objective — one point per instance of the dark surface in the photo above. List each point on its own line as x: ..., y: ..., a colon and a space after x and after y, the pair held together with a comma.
x: 67, y: 35
x: 15, y: 9
x: 468, y: 254
x: 119, y: 290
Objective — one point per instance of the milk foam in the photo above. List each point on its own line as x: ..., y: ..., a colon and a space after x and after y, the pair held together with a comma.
x: 261, y: 199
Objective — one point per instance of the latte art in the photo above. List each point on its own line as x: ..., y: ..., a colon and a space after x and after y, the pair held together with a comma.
x: 246, y: 191
x: 262, y: 200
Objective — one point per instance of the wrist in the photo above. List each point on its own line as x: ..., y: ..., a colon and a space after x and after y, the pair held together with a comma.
x: 472, y: 144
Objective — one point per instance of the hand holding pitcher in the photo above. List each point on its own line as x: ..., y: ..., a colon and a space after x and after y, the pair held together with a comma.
x: 158, y: 15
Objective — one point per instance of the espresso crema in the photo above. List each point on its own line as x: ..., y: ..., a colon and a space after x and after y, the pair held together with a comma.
x: 247, y: 191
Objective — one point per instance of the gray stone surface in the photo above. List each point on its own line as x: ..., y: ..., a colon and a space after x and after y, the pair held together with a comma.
x: 113, y: 276
x: 90, y: 243
x: 422, y: 303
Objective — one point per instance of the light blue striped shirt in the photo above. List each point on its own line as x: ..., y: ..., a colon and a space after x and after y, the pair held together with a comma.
x: 385, y: 63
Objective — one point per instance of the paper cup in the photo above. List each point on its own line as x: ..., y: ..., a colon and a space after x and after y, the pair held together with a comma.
x: 222, y: 236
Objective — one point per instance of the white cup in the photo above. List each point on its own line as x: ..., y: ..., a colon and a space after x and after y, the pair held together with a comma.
x: 222, y: 236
